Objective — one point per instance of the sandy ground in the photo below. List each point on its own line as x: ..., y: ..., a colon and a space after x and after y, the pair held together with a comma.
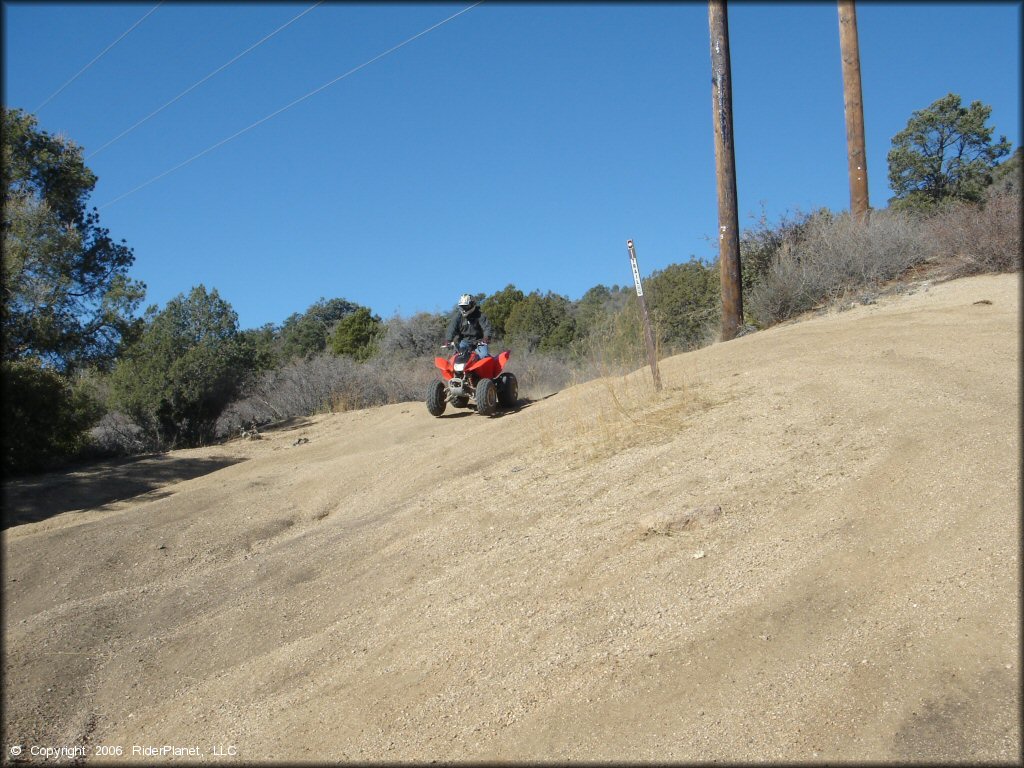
x: 806, y: 548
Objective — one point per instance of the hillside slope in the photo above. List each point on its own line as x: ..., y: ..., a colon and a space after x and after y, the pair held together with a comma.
x: 805, y: 548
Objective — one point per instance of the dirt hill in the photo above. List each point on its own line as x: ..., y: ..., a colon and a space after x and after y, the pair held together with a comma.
x: 804, y: 549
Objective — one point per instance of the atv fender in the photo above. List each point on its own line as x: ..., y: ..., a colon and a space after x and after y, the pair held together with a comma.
x: 445, y: 366
x: 490, y: 367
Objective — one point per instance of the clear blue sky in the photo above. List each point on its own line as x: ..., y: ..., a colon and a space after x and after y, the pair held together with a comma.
x: 517, y: 143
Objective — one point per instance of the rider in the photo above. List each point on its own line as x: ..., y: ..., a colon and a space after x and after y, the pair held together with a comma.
x: 468, y: 325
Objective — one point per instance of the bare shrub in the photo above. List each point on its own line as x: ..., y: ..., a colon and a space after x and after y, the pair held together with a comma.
x: 979, y: 239
x: 117, y: 435
x: 836, y: 255
x: 541, y: 373
x: 326, y: 383
x: 300, y: 388
x: 385, y: 380
x: 417, y: 336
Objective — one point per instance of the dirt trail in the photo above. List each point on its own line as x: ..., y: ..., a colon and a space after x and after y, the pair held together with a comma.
x: 804, y: 549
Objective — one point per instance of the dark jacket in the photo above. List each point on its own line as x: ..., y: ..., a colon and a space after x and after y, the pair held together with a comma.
x: 472, y: 327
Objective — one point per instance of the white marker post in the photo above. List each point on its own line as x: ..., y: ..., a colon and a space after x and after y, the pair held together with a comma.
x: 648, y: 334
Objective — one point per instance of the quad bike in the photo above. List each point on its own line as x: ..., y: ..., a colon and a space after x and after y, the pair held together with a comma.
x: 469, y: 378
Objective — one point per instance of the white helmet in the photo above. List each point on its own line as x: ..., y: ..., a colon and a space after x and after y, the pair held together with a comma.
x: 466, y: 304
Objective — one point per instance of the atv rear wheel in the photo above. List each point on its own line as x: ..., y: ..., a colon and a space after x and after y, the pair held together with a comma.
x: 508, y: 390
x: 486, y: 397
x: 436, y: 398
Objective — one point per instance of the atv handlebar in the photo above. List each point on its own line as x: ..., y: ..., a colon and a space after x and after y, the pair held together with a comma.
x: 453, y: 345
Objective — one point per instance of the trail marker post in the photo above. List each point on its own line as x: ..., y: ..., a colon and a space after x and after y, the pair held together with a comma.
x: 648, y: 333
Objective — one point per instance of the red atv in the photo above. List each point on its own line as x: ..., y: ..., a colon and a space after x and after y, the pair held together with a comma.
x: 467, y: 378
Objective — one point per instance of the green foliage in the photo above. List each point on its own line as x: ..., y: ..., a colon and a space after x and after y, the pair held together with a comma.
x: 541, y: 323
x: 945, y: 152
x: 598, y: 306
x: 499, y: 306
x: 259, y: 348
x: 45, y: 417
x: 330, y: 311
x: 684, y: 299
x: 302, y: 337
x: 66, y: 296
x: 356, y: 335
x: 1009, y: 175
x: 183, y: 370
x: 614, y: 339
x: 305, y: 335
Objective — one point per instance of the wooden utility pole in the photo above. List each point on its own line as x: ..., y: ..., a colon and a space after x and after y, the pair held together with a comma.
x: 725, y: 169
x: 652, y: 356
x: 857, y: 158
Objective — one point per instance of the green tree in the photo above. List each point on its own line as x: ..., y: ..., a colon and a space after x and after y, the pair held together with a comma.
x: 356, y: 335
x: 597, y: 307
x: 498, y: 306
x: 1009, y: 173
x: 67, y: 299
x: 259, y: 348
x: 186, y: 366
x: 45, y: 418
x: 945, y: 152
x: 542, y: 323
x: 684, y: 299
x: 609, y: 329
x: 306, y: 335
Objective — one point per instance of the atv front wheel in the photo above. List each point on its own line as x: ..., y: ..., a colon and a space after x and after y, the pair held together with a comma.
x: 436, y: 398
x: 508, y: 390
x: 486, y: 397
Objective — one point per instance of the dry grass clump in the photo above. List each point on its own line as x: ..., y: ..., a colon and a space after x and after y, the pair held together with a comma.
x: 616, y: 413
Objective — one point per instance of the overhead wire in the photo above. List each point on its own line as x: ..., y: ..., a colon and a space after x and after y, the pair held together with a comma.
x: 262, y: 120
x: 195, y: 85
x: 98, y: 57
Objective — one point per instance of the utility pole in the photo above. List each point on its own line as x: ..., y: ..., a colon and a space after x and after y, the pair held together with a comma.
x: 725, y: 169
x: 857, y: 157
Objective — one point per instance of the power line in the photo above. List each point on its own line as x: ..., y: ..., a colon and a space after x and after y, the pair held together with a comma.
x: 200, y: 82
x: 352, y: 71
x: 122, y: 37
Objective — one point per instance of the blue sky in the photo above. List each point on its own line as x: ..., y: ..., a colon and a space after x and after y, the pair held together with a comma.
x: 518, y: 143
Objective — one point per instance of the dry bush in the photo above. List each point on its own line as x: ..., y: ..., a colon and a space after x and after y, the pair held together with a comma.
x: 326, y: 383
x: 117, y: 435
x: 301, y: 388
x: 834, y: 256
x: 416, y: 336
x: 979, y: 239
x: 540, y: 374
